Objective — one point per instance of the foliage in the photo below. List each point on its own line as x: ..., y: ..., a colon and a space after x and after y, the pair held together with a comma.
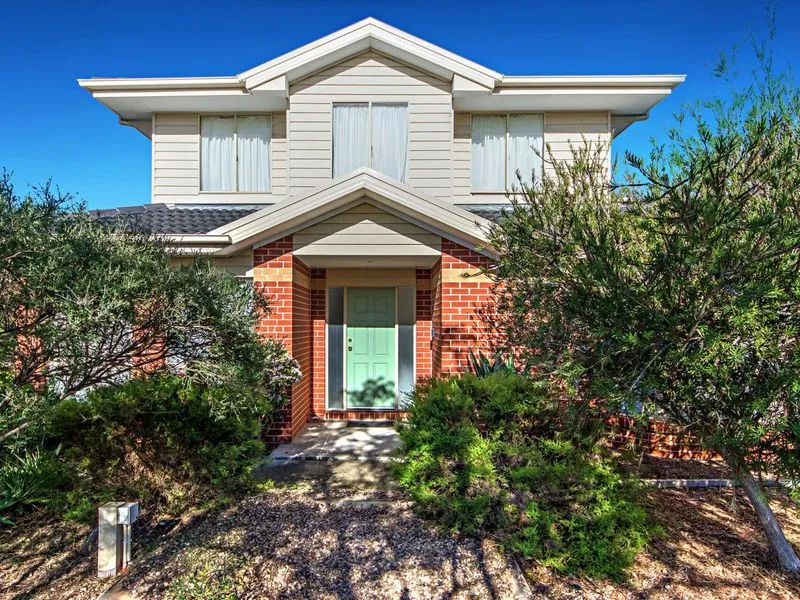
x: 158, y: 439
x: 506, y: 455
x: 481, y: 366
x: 85, y: 303
x: 84, y: 307
x: 680, y: 289
x: 28, y: 478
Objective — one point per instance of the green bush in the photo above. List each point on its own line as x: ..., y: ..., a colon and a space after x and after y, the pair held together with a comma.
x: 501, y: 455
x: 29, y: 478
x: 158, y: 439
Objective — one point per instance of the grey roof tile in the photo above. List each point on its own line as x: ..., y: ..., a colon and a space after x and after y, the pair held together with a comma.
x: 490, y: 212
x: 160, y: 218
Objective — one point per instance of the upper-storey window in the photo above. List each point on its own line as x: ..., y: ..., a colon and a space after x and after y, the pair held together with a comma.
x: 371, y: 135
x: 235, y: 154
x: 503, y: 145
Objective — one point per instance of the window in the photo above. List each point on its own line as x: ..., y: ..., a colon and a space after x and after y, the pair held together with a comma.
x: 370, y: 135
x: 235, y: 154
x: 502, y: 145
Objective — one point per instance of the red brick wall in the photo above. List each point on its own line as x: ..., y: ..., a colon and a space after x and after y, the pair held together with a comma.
x: 656, y: 438
x: 436, y: 319
x: 301, y: 343
x: 318, y: 308
x: 424, y: 315
x: 447, y: 303
x: 461, y: 303
x: 284, y: 279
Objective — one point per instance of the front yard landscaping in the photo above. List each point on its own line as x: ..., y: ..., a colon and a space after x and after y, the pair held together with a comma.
x: 329, y: 530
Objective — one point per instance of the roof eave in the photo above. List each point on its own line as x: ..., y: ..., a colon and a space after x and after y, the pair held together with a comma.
x: 281, y: 218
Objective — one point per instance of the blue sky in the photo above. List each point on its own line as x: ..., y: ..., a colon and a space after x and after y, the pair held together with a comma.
x: 52, y: 128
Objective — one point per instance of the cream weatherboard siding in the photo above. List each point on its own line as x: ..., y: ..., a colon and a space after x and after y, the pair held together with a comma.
x: 561, y: 129
x: 176, y: 162
x: 371, y: 77
x: 566, y: 130
x: 367, y: 231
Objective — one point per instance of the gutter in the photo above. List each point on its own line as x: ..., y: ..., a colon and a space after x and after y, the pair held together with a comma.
x: 115, y: 84
x: 180, y: 239
x: 599, y: 81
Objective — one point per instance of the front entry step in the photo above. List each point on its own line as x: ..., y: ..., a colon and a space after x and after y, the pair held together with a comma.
x: 370, y: 423
x: 337, y: 441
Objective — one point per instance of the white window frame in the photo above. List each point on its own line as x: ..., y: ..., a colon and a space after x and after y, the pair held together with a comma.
x: 370, y: 104
x: 235, y: 165
x: 505, y: 153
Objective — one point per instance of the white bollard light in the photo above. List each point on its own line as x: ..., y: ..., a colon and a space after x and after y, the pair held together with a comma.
x: 114, y: 537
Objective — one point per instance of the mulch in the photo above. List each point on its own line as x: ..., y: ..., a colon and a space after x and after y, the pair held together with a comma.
x: 348, y: 535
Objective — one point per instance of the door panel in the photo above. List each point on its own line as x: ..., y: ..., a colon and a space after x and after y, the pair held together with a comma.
x: 370, y: 351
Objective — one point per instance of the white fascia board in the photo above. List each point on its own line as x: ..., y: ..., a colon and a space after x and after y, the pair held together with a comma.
x: 277, y: 85
x: 359, y: 36
x: 281, y: 218
x: 98, y: 84
x: 462, y: 85
x: 564, y: 81
x: 617, y: 101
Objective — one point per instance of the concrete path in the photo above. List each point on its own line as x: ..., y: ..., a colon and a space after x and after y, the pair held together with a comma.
x: 336, y: 440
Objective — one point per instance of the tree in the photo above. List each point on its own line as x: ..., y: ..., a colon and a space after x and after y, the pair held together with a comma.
x: 85, y: 304
x: 680, y: 288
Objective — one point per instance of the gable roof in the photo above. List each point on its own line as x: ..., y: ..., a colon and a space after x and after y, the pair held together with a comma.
x: 361, y: 36
x: 293, y: 214
x: 265, y: 88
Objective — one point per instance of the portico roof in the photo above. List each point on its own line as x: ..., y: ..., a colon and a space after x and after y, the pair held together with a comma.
x: 296, y: 213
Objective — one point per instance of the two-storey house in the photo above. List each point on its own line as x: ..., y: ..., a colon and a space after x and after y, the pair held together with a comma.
x: 352, y: 180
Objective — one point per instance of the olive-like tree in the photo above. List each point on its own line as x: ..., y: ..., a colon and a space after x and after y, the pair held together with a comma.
x: 84, y: 303
x: 679, y: 289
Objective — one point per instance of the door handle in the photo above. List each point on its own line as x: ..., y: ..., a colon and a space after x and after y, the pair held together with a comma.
x: 349, y: 348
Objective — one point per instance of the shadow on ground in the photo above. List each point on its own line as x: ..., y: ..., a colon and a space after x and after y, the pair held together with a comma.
x: 327, y: 529
x: 330, y: 529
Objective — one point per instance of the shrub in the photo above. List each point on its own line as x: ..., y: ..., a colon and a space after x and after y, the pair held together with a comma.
x: 28, y: 478
x: 504, y: 455
x: 159, y: 438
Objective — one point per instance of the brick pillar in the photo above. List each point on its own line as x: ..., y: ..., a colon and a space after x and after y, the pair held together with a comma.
x: 436, y: 319
x: 285, y: 280
x: 423, y: 319
x: 461, y: 299
x: 318, y: 349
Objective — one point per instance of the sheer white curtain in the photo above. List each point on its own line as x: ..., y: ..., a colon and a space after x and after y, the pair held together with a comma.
x: 525, y: 139
x: 350, y: 137
x: 488, y: 153
x: 253, y: 135
x: 390, y: 139
x: 216, y: 154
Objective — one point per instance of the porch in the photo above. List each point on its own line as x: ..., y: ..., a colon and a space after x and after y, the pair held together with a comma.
x: 364, y: 337
x: 341, y: 440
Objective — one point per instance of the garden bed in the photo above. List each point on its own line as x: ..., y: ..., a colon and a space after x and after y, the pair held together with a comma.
x: 712, y: 547
x: 321, y: 534
x: 653, y: 467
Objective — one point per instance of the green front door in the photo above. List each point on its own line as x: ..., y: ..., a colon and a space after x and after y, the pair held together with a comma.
x: 370, y: 349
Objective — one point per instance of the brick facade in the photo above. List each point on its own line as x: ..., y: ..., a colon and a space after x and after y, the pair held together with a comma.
x: 318, y: 316
x: 424, y: 315
x: 453, y: 315
x: 461, y: 298
x: 285, y: 280
x: 448, y: 323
